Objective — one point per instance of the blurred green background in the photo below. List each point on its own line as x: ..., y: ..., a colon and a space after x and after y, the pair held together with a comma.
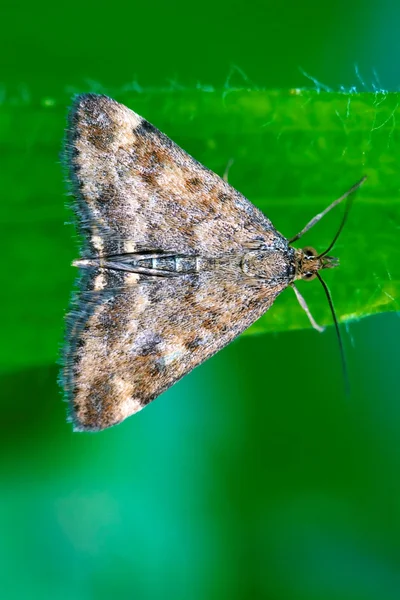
x: 254, y: 476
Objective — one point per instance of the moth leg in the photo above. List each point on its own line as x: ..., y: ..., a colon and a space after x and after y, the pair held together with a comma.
x: 226, y: 172
x: 304, y: 306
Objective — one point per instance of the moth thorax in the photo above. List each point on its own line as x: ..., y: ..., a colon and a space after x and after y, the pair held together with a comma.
x: 266, y: 264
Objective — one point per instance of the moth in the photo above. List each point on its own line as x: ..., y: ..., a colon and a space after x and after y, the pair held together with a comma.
x: 175, y: 263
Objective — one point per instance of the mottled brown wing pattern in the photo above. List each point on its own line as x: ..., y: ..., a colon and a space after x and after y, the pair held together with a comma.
x: 134, y: 338
x: 133, y: 330
x: 137, y: 189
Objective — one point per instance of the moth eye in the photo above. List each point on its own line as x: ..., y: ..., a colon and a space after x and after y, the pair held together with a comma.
x: 309, y: 276
x: 309, y: 251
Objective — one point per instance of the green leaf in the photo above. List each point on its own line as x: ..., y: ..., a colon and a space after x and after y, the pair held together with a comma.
x: 294, y: 152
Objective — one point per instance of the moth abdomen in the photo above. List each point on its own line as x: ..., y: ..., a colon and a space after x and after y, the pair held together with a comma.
x: 151, y: 264
x: 177, y: 264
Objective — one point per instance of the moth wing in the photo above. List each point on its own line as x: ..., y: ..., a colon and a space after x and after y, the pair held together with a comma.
x: 132, y: 336
x: 136, y: 189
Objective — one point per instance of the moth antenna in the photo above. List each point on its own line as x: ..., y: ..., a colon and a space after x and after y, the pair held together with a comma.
x: 344, y: 218
x: 339, y: 337
x: 304, y: 306
x: 324, y: 212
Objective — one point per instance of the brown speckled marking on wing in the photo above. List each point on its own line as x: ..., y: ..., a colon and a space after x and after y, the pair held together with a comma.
x: 135, y: 185
x: 130, y: 344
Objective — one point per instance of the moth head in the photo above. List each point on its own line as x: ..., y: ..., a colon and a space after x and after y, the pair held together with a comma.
x: 309, y: 262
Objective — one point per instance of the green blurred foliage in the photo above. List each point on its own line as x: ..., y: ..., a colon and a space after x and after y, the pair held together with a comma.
x: 254, y: 476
